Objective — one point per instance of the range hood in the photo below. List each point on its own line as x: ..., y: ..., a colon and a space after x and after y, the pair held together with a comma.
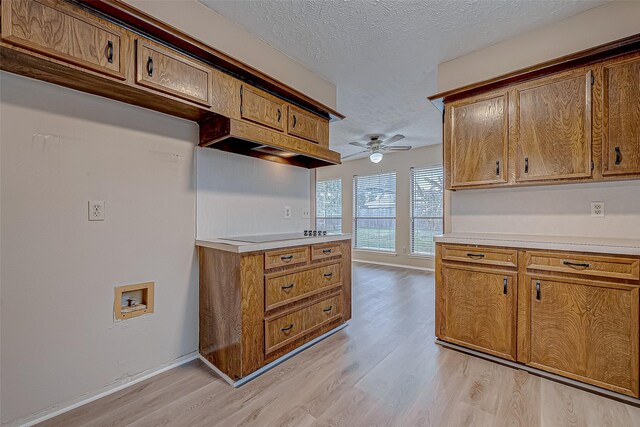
x: 238, y: 136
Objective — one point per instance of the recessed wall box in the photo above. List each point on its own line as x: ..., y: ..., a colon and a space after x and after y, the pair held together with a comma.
x: 133, y: 300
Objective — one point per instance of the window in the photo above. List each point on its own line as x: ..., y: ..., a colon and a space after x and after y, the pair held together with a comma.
x: 426, y: 208
x: 329, y: 206
x: 374, y: 211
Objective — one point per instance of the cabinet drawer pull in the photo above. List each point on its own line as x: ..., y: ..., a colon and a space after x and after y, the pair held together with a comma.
x: 286, y: 258
x: 577, y: 264
x: 110, y: 52
x: 526, y: 165
x: 618, y: 156
x: 538, y: 291
x: 150, y: 66
x: 327, y: 275
x: 326, y: 251
x: 287, y: 329
x: 504, y: 285
x: 279, y: 115
x: 328, y: 309
x: 295, y: 120
x: 498, y: 168
x: 286, y: 287
x: 472, y: 255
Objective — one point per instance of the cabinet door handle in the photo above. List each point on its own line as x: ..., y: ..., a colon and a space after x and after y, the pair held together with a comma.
x: 326, y: 251
x: 577, y: 264
x: 618, y: 156
x: 295, y: 120
x: 505, y: 282
x: 150, y: 66
x: 538, y: 291
x: 286, y: 287
x: 327, y: 275
x: 110, y: 52
x: 526, y: 165
x: 328, y: 309
x: 498, y: 167
x: 472, y: 255
x: 287, y: 329
x: 286, y: 258
x: 279, y: 115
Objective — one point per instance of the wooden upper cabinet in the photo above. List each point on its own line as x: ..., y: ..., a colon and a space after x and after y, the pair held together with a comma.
x: 476, y: 135
x: 587, y: 331
x: 79, y: 40
x: 308, y: 126
x: 480, y: 309
x: 167, y: 71
x: 621, y: 116
x: 552, y: 127
x: 262, y: 108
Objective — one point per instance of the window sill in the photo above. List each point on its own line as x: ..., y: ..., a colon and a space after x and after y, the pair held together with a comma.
x: 422, y: 256
x: 374, y: 252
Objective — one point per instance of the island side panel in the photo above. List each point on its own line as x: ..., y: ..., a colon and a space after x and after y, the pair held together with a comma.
x: 346, y: 279
x: 252, y: 279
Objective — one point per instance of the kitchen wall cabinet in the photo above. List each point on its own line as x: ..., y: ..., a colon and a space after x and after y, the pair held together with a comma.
x: 621, y: 116
x: 260, y: 107
x: 552, y: 127
x: 308, y: 126
x: 476, y: 135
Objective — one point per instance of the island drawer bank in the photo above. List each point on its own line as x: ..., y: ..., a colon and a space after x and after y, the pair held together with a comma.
x: 257, y: 306
x: 566, y: 312
x: 111, y: 49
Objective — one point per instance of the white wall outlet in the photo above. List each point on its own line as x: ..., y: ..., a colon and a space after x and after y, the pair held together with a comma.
x: 287, y: 212
x: 306, y: 213
x: 96, y: 210
x: 597, y: 209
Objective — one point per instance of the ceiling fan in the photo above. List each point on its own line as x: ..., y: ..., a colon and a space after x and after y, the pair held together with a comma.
x: 377, y: 147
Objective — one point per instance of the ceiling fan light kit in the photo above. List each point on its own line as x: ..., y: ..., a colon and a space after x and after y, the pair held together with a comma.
x: 376, y: 146
x: 376, y: 157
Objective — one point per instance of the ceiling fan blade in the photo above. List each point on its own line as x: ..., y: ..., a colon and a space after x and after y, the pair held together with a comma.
x: 354, y: 154
x: 393, y: 139
x: 359, y: 144
x: 399, y: 148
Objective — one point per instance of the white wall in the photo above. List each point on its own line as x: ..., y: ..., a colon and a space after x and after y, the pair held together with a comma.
x: 401, y: 163
x: 59, y: 149
x: 548, y: 210
x: 240, y: 195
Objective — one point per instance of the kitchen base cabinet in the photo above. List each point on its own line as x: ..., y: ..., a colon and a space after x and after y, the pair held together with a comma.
x: 571, y: 314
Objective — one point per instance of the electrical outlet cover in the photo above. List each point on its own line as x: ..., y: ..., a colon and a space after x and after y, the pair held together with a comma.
x: 96, y: 210
x: 597, y: 209
x: 287, y: 212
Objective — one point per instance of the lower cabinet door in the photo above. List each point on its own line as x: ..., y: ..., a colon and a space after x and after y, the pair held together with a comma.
x: 480, y: 309
x: 587, y: 331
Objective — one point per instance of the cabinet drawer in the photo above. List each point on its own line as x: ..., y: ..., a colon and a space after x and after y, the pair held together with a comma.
x: 587, y: 265
x: 281, y: 289
x: 490, y: 256
x: 306, y: 125
x: 166, y: 71
x: 262, y: 108
x: 284, y: 328
x: 325, y: 250
x: 58, y: 34
x: 284, y: 257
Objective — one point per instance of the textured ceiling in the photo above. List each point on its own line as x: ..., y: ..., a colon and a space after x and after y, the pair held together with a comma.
x: 383, y: 55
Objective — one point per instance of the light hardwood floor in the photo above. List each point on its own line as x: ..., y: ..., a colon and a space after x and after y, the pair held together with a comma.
x: 383, y: 369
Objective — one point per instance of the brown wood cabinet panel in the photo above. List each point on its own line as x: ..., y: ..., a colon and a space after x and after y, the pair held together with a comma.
x: 480, y: 309
x: 308, y: 126
x: 162, y: 69
x: 621, y: 117
x: 285, y: 257
x: 260, y: 107
x: 614, y: 267
x: 42, y: 28
x: 477, y: 132
x: 586, y: 331
x: 490, y: 256
x: 552, y: 128
x: 326, y: 250
x: 286, y: 287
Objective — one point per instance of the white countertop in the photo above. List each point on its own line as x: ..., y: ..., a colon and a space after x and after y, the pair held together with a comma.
x: 242, y: 247
x: 564, y: 243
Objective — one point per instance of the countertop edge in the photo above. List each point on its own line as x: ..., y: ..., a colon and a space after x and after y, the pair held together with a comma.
x: 245, y: 247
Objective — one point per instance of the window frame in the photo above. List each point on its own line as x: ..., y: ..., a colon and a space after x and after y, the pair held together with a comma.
x: 394, y: 218
x: 412, y: 218
x: 339, y: 179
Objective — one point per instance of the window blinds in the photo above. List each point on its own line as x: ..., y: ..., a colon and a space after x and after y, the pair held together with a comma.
x: 427, y: 185
x: 374, y: 216
x: 329, y: 206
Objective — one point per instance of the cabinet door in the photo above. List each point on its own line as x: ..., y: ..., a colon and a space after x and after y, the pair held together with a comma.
x: 260, y: 107
x: 166, y: 71
x: 552, y: 127
x: 61, y: 35
x: 621, y: 117
x: 308, y: 126
x: 480, y: 309
x: 478, y: 138
x: 587, y: 331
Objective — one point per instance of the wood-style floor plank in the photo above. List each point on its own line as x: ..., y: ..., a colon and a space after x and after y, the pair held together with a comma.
x: 382, y: 370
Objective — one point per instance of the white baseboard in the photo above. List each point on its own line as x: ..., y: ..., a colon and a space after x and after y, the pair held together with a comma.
x: 122, y: 384
x: 388, y: 264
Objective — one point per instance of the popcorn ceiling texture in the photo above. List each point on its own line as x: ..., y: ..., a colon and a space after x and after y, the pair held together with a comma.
x: 383, y: 55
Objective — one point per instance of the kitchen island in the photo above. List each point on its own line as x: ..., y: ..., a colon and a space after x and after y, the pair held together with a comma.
x: 263, y: 300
